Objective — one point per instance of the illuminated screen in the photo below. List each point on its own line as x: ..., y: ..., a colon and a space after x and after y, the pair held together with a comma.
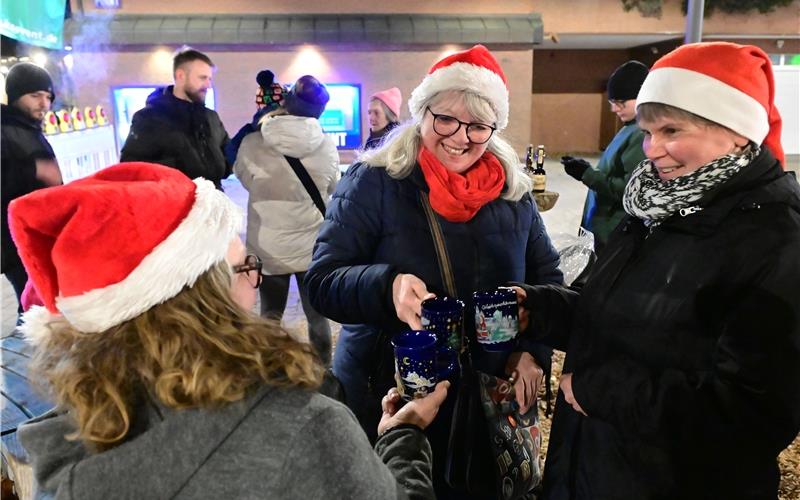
x: 129, y: 100
x: 39, y: 22
x: 342, y: 117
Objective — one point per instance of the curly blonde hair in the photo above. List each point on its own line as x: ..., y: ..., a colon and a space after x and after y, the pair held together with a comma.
x: 198, y: 349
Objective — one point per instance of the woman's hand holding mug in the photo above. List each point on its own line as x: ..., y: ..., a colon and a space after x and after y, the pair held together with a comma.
x: 408, y: 292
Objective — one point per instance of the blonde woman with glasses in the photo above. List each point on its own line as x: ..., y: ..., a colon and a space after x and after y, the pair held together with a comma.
x: 375, y: 260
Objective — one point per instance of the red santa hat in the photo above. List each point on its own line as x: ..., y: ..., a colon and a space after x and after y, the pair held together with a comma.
x: 104, y: 249
x: 723, y: 82
x: 474, y: 70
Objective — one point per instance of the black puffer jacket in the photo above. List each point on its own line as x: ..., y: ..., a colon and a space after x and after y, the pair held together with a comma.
x: 22, y: 144
x: 180, y: 134
x: 685, y: 351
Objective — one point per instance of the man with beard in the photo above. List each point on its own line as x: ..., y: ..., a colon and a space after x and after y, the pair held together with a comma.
x: 28, y: 161
x: 176, y: 129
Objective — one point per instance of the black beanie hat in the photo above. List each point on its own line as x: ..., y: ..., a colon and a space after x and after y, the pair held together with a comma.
x: 626, y: 81
x: 308, y: 97
x: 265, y: 79
x: 26, y: 78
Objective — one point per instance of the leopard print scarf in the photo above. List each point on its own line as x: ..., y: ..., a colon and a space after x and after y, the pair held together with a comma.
x: 649, y: 198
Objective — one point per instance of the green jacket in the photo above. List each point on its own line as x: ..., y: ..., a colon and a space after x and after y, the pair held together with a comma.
x: 603, y: 208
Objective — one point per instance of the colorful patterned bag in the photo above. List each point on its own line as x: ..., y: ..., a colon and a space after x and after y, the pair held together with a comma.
x: 494, y: 450
x: 516, y: 439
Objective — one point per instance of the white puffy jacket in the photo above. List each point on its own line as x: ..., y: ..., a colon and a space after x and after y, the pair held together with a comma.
x: 282, y: 220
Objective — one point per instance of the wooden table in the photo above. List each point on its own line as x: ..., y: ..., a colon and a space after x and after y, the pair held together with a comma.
x: 20, y: 402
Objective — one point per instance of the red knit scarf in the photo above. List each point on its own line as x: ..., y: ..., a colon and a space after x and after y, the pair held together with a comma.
x: 458, y: 197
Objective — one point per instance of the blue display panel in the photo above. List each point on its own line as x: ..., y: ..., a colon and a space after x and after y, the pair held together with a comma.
x: 342, y: 117
x: 130, y: 99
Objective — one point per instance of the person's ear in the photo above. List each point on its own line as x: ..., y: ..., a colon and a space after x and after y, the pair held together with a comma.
x: 741, y: 141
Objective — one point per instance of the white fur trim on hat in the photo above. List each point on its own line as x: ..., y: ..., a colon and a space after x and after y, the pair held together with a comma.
x: 463, y: 76
x: 707, y: 97
x: 34, y: 327
x: 200, y: 241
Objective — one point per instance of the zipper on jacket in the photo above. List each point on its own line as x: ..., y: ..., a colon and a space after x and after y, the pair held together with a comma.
x: 689, y: 211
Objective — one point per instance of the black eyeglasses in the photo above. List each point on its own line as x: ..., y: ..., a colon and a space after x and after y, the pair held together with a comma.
x: 251, y: 268
x: 620, y: 103
x: 445, y: 125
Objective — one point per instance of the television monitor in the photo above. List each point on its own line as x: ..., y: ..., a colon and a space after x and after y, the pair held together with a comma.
x: 128, y: 100
x: 342, y: 117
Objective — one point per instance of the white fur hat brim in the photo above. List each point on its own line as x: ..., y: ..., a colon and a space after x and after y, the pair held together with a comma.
x: 467, y: 77
x: 200, y: 241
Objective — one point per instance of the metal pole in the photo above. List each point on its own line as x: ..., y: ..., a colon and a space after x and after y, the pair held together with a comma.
x: 694, y: 21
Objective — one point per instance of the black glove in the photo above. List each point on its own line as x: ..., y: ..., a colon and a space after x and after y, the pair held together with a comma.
x: 575, y: 167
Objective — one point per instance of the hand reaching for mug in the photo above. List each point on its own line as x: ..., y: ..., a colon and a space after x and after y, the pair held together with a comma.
x: 408, y: 292
x: 419, y: 412
x: 526, y: 376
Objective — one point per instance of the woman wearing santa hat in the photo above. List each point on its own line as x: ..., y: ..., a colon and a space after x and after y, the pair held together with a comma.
x: 682, y: 375
x: 375, y: 260
x: 384, y: 115
x: 166, y: 385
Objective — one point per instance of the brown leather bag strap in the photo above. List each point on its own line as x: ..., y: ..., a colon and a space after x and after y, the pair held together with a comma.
x: 441, y: 248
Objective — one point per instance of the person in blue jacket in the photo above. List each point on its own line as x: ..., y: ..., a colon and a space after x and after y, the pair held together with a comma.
x: 603, y: 208
x: 375, y: 261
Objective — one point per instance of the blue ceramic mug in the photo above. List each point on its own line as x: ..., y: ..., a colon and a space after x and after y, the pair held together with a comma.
x: 415, y: 363
x: 496, y: 320
x: 444, y: 316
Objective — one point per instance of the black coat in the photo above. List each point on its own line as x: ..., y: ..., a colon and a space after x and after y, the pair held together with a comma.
x: 22, y: 144
x: 685, y: 351
x: 180, y: 134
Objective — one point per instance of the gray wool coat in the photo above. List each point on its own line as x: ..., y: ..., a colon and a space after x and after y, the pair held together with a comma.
x: 277, y: 443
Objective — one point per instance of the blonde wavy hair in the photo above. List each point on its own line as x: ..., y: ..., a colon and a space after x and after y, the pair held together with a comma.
x: 398, y: 151
x: 198, y: 349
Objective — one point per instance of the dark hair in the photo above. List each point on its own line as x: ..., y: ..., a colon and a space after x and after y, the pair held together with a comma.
x: 650, y: 111
x: 188, y: 55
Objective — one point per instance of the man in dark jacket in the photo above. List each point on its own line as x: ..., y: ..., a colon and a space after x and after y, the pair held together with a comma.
x: 28, y: 161
x: 176, y: 129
